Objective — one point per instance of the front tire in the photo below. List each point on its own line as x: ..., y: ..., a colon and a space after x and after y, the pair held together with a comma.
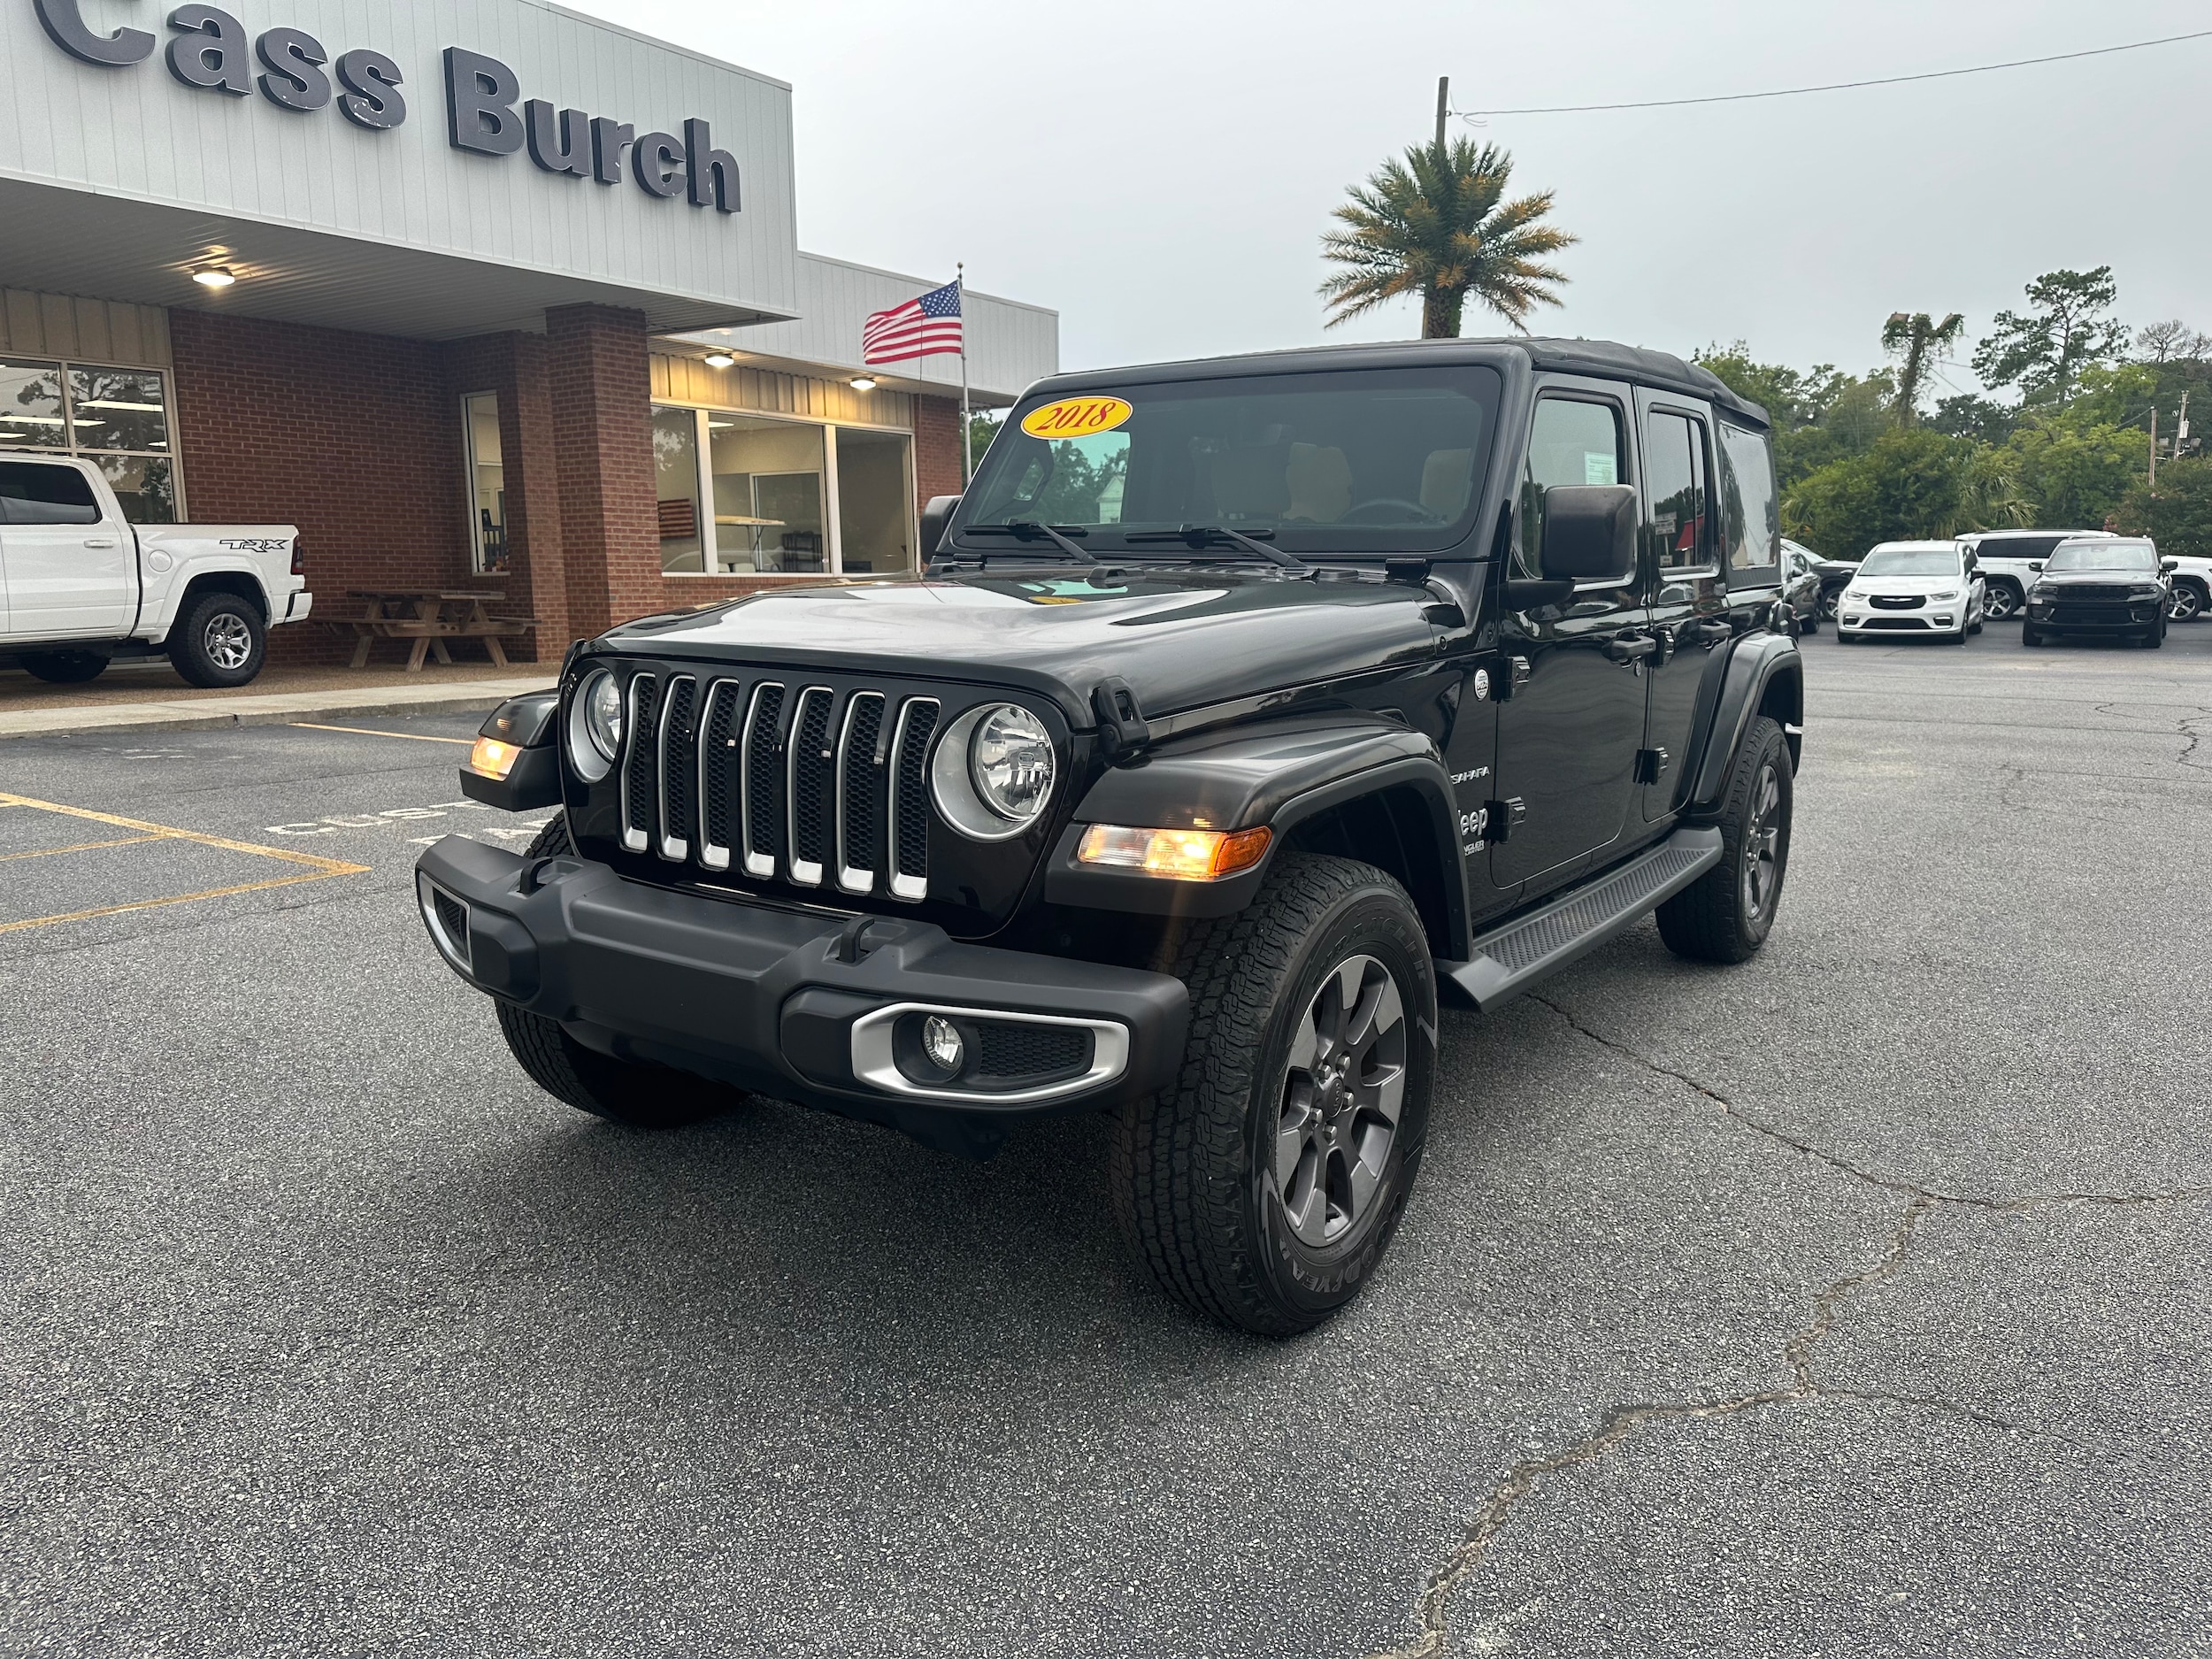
x: 1999, y: 600
x: 1725, y: 914
x: 220, y: 640
x: 63, y: 668
x: 622, y: 1091
x: 2029, y: 634
x: 1262, y: 1188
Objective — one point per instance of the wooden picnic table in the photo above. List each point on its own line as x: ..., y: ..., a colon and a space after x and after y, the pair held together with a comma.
x: 430, y: 617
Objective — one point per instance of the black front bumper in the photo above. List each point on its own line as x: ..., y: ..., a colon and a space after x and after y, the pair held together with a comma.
x: 761, y: 997
x: 2063, y: 618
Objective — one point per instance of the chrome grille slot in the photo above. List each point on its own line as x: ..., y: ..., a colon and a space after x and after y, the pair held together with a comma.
x: 859, y: 813
x: 718, y: 774
x: 640, y: 789
x: 760, y: 774
x: 910, y: 798
x: 679, y: 752
x: 812, y: 764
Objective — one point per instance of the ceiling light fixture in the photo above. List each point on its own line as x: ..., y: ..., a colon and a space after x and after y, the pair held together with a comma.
x: 863, y: 382
x: 720, y: 359
x: 214, y: 276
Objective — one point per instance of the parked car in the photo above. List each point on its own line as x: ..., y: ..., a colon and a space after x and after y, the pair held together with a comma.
x: 2189, y: 587
x: 1805, y: 585
x: 1905, y: 588
x: 2009, y: 562
x: 1252, y: 707
x: 2110, y: 586
x: 80, y: 584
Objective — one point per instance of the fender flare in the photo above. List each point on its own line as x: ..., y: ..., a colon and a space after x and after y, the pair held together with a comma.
x: 194, y: 570
x: 1279, y: 775
x: 1755, y: 663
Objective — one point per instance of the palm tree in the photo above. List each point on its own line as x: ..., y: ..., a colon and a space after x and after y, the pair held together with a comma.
x: 1917, y: 339
x: 1436, y: 225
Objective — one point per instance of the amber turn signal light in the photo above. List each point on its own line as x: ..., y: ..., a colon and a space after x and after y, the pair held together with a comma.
x: 491, y: 759
x: 1192, y: 855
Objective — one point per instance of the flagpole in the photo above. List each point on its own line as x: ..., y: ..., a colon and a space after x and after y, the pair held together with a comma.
x: 967, y: 428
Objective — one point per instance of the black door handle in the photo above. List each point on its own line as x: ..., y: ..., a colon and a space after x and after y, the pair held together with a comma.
x: 1631, y: 648
x: 1705, y: 631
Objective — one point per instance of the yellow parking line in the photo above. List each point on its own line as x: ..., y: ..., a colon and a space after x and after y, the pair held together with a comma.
x: 164, y: 832
x: 363, y: 731
x: 181, y: 898
x: 82, y: 847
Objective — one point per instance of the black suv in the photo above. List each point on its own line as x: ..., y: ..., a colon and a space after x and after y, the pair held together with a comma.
x: 2107, y: 585
x: 1249, y: 709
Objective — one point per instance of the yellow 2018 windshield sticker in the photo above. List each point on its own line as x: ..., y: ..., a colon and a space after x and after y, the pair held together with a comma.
x: 1076, y: 417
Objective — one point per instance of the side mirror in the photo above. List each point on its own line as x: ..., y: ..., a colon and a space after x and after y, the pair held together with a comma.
x: 2168, y: 567
x: 2035, y: 564
x: 935, y: 517
x: 1589, y: 533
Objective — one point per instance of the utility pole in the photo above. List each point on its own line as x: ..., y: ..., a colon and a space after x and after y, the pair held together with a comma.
x: 2154, y: 448
x: 1443, y: 103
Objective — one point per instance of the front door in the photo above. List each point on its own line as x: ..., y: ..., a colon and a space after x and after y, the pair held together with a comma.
x: 69, y: 574
x: 1573, y: 716
x: 1689, y: 604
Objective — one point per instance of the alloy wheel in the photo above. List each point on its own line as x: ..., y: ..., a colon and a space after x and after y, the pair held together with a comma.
x: 1341, y: 1102
x: 1763, y: 844
x: 2186, y: 605
x: 1997, y: 604
x: 227, y: 640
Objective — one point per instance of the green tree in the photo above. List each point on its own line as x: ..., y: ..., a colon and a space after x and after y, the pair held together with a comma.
x: 1913, y: 339
x: 1908, y: 483
x: 983, y: 425
x: 2069, y: 326
x: 1437, y: 224
x: 2074, y: 475
x: 2179, y: 516
x: 1984, y: 419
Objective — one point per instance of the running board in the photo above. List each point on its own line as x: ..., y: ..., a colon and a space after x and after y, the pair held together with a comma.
x: 1509, y: 960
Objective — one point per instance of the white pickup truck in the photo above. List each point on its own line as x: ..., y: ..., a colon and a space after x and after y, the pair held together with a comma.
x: 80, y: 584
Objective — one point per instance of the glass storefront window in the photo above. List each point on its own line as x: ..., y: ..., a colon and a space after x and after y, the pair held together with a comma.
x: 676, y: 487
x: 30, y: 407
x: 768, y: 496
x: 119, y: 418
x: 875, y: 503
x: 487, y: 482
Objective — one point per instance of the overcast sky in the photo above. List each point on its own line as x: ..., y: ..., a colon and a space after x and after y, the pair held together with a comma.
x: 1160, y: 172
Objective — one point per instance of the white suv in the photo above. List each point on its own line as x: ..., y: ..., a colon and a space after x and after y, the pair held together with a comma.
x: 1924, y: 587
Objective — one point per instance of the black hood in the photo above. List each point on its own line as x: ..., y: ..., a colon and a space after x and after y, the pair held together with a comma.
x: 1181, y: 637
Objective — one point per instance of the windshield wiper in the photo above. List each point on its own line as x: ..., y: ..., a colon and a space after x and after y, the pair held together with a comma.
x: 1027, y: 530
x: 1205, y: 535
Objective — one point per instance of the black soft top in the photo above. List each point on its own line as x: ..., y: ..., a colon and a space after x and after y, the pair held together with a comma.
x: 1604, y: 359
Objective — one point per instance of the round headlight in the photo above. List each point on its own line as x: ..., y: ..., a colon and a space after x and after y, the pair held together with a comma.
x: 594, y: 727
x: 1010, y: 759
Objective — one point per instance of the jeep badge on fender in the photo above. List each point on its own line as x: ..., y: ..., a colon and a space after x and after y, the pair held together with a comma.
x: 1152, y: 808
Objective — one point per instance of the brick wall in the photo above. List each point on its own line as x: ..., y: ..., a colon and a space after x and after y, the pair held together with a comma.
x: 936, y: 446
x: 352, y: 437
x: 513, y: 366
x: 602, y: 394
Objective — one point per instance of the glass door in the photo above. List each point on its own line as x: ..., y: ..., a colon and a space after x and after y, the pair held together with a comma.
x: 875, y: 503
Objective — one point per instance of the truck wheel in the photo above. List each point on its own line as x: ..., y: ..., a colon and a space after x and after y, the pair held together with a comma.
x: 220, y: 640
x: 63, y: 668
x: 1263, y: 1187
x: 1725, y: 915
x: 623, y: 1091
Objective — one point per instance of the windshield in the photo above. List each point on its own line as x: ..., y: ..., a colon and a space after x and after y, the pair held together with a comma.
x: 1371, y: 461
x: 2135, y: 558
x: 1935, y: 562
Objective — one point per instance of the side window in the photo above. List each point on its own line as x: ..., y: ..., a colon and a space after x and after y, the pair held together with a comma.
x: 1752, y: 509
x: 1572, y: 441
x: 33, y: 493
x: 1674, y: 454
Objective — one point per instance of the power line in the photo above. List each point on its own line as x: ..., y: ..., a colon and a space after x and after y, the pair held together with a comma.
x: 1839, y: 86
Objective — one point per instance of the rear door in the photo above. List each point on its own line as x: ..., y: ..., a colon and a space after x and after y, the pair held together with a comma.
x: 1689, y: 601
x: 1573, y: 715
x: 69, y: 568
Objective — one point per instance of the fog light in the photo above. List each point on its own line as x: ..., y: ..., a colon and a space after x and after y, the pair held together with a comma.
x: 491, y: 759
x: 942, y: 1043
x: 1178, y: 855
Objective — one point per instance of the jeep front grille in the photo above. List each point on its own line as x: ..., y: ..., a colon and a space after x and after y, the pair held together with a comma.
x: 781, y: 781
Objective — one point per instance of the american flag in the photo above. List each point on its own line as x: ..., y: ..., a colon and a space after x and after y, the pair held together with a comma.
x: 919, y: 329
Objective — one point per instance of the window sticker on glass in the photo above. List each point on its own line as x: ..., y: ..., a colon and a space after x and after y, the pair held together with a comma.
x: 1600, y: 467
x: 1076, y: 417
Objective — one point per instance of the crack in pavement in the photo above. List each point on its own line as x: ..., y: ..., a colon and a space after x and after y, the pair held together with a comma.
x: 1621, y: 1422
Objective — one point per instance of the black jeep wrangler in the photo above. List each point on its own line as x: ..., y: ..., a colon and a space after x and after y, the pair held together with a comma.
x: 1248, y: 709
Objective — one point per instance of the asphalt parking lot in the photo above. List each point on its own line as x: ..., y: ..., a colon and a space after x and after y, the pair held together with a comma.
x: 1855, y: 1300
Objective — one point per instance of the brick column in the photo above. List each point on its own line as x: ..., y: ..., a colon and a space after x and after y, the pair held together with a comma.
x: 599, y: 382
x: 936, y: 446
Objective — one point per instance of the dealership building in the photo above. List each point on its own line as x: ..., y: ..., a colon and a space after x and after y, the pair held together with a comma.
x: 481, y: 294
